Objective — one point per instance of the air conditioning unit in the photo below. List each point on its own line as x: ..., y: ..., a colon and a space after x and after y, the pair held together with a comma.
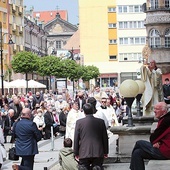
x: 13, y: 7
x: 20, y: 29
x: 21, y: 48
x: 14, y: 27
x: 20, y: 10
x: 14, y: 47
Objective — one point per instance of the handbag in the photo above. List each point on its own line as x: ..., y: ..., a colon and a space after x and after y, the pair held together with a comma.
x: 62, y: 128
x: 12, y: 154
x: 3, y: 151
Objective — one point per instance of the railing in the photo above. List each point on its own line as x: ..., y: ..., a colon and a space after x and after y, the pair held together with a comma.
x: 155, y: 8
x: 160, y: 46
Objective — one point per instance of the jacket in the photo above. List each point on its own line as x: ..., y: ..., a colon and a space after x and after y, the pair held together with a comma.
x: 162, y: 135
x: 26, y: 136
x: 91, y: 140
x: 66, y: 159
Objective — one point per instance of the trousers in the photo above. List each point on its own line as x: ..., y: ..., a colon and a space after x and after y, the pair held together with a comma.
x: 27, y: 162
x: 144, y: 150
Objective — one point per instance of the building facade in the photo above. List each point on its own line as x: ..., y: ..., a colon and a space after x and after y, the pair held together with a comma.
x: 112, y: 36
x: 158, y: 32
x: 59, y: 31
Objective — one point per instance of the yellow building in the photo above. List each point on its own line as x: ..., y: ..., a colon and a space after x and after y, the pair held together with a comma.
x: 98, y: 36
x: 11, y: 18
x: 105, y: 44
x: 4, y: 31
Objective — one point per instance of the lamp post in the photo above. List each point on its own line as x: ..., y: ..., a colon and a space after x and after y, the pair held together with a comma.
x: 129, y: 89
x: 138, y: 97
x: 1, y: 49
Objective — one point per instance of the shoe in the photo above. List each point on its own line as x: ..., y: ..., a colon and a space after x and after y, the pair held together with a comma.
x: 15, y: 167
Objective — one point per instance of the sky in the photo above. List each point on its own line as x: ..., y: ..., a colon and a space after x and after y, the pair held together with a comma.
x: 45, y: 5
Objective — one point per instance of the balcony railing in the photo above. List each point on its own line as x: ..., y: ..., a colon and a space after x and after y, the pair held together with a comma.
x: 160, y: 46
x: 155, y: 8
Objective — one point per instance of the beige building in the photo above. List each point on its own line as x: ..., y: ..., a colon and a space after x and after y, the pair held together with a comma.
x: 112, y: 36
x: 131, y: 38
x: 158, y: 33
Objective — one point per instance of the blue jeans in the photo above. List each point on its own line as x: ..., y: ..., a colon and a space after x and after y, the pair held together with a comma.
x: 27, y: 162
x: 144, y: 150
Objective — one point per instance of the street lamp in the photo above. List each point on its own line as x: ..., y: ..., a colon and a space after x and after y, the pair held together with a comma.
x: 1, y: 49
x: 129, y: 89
x: 138, y: 97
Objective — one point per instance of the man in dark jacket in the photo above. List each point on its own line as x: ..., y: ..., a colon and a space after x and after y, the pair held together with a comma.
x: 26, y: 135
x: 166, y: 91
x: 159, y: 145
x: 90, y: 140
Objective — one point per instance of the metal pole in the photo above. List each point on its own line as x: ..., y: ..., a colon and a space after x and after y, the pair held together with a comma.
x: 52, y: 139
x: 2, y: 74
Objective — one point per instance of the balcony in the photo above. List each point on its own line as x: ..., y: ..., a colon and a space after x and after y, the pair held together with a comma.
x: 20, y: 29
x: 155, y: 8
x: 160, y: 46
x: 13, y: 8
x: 14, y: 27
x: 20, y: 10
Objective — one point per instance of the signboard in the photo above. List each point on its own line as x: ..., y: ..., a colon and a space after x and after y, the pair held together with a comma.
x: 63, y: 53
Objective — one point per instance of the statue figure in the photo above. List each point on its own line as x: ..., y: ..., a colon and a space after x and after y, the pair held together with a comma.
x: 152, y: 78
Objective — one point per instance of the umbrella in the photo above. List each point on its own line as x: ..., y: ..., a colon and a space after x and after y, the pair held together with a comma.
x: 35, y: 84
x: 19, y: 83
x: 6, y: 84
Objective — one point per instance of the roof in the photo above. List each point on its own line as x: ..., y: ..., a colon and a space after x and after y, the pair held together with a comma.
x: 46, y: 16
x: 73, y: 42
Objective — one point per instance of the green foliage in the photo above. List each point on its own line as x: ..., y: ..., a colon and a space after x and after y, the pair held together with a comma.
x: 90, y: 72
x: 50, y: 66
x: 24, y: 62
x: 71, y: 69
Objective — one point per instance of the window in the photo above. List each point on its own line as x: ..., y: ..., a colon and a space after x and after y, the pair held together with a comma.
x: 111, y: 9
x: 167, y: 38
x: 154, y: 4
x: 112, y: 57
x: 136, y: 8
x: 132, y: 40
x: 129, y: 56
x: 120, y: 24
x: 120, y: 9
x: 112, y: 25
x: 125, y: 9
x: 130, y: 24
x: 154, y: 38
x: 121, y: 41
x: 58, y: 44
x: 125, y: 24
x: 112, y: 41
x: 167, y: 3
x: 125, y: 40
x: 137, y: 41
x: 131, y: 8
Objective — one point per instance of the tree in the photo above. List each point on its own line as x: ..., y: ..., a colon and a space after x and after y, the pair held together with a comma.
x: 71, y: 70
x: 25, y: 62
x: 90, y: 72
x: 50, y: 66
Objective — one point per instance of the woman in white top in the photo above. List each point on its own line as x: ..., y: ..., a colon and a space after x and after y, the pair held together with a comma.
x: 39, y: 120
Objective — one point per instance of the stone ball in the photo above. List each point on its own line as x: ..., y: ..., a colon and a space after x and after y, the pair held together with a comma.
x: 129, y: 88
x: 141, y: 86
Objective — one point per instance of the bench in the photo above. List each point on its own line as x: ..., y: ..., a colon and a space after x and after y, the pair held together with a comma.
x: 158, y: 165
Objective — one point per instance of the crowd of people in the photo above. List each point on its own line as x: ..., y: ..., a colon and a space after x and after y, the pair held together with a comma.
x: 58, y: 111
x: 61, y: 113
